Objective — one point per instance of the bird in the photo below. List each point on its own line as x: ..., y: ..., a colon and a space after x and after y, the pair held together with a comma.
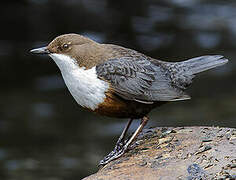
x: 119, y: 82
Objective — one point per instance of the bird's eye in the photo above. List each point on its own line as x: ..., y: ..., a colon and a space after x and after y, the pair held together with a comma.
x: 65, y: 46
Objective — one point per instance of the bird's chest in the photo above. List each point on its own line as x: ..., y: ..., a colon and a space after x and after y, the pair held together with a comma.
x: 86, y: 88
x: 95, y: 95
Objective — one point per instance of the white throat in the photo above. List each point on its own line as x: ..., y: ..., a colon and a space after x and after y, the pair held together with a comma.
x: 84, y: 85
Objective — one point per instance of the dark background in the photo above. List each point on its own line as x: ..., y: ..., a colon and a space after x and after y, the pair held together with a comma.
x: 44, y: 134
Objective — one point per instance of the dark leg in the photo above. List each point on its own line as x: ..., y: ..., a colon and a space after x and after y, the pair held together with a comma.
x: 120, y: 147
x: 137, y: 132
x: 121, y: 139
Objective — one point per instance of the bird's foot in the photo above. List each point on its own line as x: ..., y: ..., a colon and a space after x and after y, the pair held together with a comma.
x: 117, y: 152
x: 122, y: 145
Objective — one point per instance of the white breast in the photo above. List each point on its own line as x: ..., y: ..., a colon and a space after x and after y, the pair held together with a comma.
x: 84, y: 85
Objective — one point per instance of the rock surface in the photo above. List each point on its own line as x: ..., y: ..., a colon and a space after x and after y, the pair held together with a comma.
x: 190, y: 153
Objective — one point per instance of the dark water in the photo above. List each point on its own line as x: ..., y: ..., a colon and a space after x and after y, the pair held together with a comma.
x: 44, y: 134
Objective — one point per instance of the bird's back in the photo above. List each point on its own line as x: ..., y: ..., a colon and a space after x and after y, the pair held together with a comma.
x: 135, y: 76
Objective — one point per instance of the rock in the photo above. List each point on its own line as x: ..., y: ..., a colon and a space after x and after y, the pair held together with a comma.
x: 191, y: 153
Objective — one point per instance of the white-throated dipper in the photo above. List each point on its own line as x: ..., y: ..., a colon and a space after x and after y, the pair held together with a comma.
x: 119, y: 82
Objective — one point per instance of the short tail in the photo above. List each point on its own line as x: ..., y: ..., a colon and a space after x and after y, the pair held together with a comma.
x: 203, y: 63
x: 183, y: 72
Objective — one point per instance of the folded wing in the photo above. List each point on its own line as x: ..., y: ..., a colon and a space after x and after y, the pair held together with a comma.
x: 139, y: 80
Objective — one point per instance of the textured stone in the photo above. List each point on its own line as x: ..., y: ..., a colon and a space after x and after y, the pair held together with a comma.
x: 181, y: 153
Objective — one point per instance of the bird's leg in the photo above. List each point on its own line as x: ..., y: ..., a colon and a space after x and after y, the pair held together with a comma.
x: 120, y: 147
x: 144, y: 121
x: 121, y: 140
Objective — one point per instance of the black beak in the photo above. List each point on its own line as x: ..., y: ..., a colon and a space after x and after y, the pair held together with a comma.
x: 42, y: 50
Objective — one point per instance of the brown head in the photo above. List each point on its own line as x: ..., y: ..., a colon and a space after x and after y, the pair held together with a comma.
x: 84, y: 51
x: 68, y: 43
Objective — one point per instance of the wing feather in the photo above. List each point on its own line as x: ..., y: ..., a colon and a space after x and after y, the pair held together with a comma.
x: 139, y: 80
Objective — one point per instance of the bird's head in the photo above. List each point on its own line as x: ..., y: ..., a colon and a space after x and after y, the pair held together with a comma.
x: 69, y: 49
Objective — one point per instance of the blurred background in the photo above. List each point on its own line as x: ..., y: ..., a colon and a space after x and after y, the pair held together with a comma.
x: 44, y: 134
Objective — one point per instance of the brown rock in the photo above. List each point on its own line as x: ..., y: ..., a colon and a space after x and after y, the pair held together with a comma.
x: 183, y: 153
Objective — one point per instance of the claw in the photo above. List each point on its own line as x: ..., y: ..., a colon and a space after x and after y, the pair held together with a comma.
x: 122, y: 145
x: 116, y: 153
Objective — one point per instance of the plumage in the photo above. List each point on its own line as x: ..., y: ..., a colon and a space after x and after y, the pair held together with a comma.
x: 136, y: 83
x: 84, y: 86
x: 138, y: 80
x: 141, y: 80
x: 119, y: 82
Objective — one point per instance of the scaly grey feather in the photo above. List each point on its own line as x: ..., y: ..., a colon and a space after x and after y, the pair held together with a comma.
x: 139, y: 80
x: 183, y: 72
x: 146, y: 81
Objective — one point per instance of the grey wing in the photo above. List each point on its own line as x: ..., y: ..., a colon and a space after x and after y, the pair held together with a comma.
x: 139, y: 80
